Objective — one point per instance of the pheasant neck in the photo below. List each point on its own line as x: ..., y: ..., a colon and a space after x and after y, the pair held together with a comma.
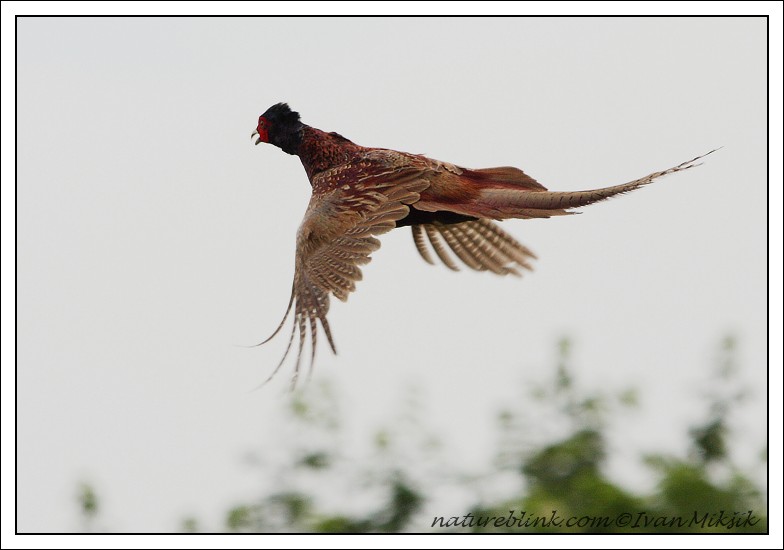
x: 320, y: 150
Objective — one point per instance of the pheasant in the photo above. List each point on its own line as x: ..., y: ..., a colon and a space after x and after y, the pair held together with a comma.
x: 362, y: 192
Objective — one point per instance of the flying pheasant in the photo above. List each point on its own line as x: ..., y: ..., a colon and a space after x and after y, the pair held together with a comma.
x: 361, y: 192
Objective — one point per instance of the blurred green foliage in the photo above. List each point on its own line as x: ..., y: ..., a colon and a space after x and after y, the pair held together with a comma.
x: 88, y: 501
x: 563, y: 478
x: 568, y: 476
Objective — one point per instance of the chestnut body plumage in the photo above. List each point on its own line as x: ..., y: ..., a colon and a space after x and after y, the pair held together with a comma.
x: 361, y: 192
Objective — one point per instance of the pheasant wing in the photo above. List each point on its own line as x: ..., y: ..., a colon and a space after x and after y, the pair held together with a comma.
x: 337, y: 236
x: 480, y: 244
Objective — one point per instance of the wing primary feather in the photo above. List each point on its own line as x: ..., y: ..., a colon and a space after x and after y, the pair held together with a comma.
x: 321, y: 312
x: 482, y: 251
x: 419, y: 241
x: 300, y: 318
x: 282, y: 359
x: 504, y: 242
x: 457, y: 247
x: 438, y: 246
x: 313, y: 338
x: 496, y: 251
x: 280, y: 326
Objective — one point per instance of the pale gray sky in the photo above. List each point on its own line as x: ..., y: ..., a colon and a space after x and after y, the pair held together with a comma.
x: 153, y: 238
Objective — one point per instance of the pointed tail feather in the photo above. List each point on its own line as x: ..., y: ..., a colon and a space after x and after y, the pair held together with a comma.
x: 508, y: 202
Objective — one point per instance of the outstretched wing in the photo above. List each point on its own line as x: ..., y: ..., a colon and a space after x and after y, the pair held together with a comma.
x: 337, y: 235
x: 480, y: 244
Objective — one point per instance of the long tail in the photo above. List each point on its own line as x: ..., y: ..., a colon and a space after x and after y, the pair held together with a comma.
x: 508, y: 193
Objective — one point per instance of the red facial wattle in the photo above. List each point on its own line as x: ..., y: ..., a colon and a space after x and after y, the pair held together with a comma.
x: 262, y: 130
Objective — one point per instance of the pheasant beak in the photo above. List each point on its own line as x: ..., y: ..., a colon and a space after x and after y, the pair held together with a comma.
x: 256, y: 133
